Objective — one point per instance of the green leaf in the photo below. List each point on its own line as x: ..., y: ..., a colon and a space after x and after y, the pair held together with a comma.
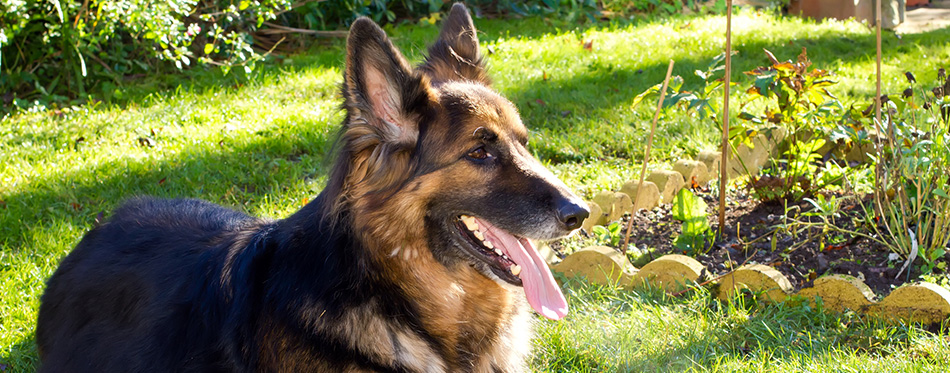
x: 941, y: 193
x: 244, y: 4
x: 687, y: 205
x: 209, y: 47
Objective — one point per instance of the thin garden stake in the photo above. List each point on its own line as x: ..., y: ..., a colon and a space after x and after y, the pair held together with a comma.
x: 724, y: 161
x: 646, y: 157
x: 878, y: 168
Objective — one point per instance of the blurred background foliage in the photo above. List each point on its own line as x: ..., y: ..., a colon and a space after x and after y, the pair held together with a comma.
x: 56, y: 53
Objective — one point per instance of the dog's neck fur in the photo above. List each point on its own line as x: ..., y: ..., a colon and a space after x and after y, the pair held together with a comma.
x: 454, y: 327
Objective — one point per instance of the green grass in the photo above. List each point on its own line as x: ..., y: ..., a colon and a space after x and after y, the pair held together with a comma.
x: 646, y: 331
x: 262, y: 147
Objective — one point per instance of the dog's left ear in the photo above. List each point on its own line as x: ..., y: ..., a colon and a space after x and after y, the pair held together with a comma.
x: 380, y: 88
x: 455, y: 55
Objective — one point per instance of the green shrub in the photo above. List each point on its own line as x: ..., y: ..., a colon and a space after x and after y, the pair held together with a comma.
x: 67, y: 52
x: 798, y: 100
x: 56, y: 51
x: 913, y: 209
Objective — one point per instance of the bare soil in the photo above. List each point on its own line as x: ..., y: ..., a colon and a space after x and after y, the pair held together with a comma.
x: 751, y: 237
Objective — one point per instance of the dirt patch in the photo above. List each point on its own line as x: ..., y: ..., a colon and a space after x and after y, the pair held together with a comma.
x: 753, y: 235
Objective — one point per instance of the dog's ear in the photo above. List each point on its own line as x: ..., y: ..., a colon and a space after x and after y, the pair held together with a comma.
x: 380, y: 88
x: 455, y: 55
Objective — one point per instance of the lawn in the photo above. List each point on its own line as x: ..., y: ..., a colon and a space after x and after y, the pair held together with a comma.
x: 262, y: 147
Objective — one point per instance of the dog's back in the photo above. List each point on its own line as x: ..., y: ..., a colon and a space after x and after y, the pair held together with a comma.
x: 143, y: 279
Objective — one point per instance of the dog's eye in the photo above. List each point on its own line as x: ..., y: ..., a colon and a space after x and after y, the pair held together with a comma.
x: 479, y: 154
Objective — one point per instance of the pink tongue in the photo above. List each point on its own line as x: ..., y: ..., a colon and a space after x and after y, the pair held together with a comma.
x: 543, y: 293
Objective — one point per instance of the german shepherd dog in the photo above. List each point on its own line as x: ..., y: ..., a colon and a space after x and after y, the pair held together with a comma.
x: 418, y: 256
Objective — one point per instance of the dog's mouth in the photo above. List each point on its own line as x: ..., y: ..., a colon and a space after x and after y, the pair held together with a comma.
x: 514, y: 260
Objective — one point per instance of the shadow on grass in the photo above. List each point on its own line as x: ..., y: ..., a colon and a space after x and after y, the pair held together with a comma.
x: 235, y: 175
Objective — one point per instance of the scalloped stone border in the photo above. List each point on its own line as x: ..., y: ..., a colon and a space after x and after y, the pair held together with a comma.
x: 919, y: 302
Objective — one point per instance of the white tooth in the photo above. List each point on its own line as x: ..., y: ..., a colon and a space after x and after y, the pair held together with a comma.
x: 516, y: 269
x: 479, y: 235
x: 498, y: 252
x: 488, y: 244
x: 469, y: 223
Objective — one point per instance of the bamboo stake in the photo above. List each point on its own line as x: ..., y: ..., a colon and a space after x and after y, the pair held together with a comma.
x: 724, y: 162
x: 878, y: 168
x: 646, y: 157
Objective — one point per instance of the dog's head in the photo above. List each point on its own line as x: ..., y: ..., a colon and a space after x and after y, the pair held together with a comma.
x: 433, y: 157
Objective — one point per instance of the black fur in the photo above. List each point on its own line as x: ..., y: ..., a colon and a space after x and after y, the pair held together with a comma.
x: 219, y: 289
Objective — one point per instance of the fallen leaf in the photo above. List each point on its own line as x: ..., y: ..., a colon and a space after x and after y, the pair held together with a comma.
x: 162, y: 181
x: 541, y: 102
x: 75, y: 206
x: 146, y: 141
x: 589, y: 45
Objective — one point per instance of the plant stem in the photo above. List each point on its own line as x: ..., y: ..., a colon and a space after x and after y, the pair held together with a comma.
x: 724, y: 161
x: 646, y: 156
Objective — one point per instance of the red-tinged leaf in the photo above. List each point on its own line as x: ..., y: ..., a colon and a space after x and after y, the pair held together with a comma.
x: 304, y: 201
x: 544, y: 75
x: 75, y: 206
x: 541, y: 102
x: 589, y: 45
x: 835, y: 247
x: 162, y: 181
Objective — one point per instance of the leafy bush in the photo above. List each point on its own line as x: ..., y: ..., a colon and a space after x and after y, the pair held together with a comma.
x: 913, y: 210
x: 798, y: 100
x: 68, y: 50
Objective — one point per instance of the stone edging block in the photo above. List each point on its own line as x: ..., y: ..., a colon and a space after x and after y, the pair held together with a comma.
x: 768, y: 281
x: 613, y: 204
x: 669, y: 183
x: 922, y: 302
x: 648, y: 199
x: 692, y: 171
x: 596, y: 217
x: 840, y: 293
x: 598, y: 264
x: 671, y: 272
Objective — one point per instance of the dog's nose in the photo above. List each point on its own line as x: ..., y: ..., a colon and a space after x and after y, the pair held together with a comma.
x: 571, y: 214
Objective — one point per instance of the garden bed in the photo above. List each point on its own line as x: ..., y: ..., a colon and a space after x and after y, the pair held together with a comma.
x: 801, y: 256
